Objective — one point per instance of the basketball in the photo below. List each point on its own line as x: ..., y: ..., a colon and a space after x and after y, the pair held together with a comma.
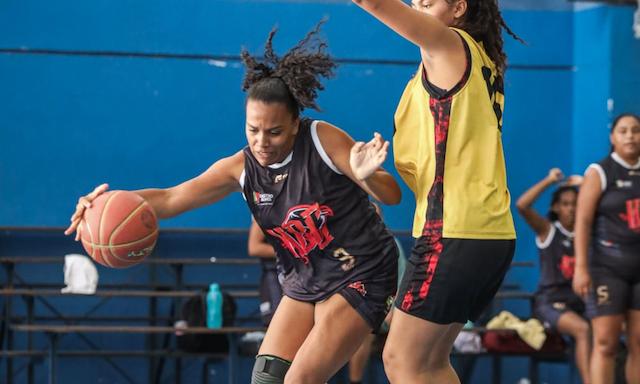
x: 120, y: 229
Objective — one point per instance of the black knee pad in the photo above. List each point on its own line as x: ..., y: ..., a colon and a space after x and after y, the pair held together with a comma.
x: 269, y: 370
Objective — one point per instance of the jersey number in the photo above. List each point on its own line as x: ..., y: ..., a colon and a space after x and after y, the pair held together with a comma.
x: 343, y: 255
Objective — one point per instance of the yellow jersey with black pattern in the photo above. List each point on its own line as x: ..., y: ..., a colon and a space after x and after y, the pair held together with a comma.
x: 448, y: 149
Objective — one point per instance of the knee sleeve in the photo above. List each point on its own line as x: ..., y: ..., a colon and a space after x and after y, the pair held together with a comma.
x: 269, y: 370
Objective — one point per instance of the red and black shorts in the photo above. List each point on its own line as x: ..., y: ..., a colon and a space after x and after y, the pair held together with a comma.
x: 453, y: 280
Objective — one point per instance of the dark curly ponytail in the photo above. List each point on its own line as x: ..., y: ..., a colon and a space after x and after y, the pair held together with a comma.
x: 294, y: 79
x: 484, y: 23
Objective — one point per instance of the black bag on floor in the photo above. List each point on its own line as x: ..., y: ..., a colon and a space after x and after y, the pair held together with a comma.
x: 194, y: 313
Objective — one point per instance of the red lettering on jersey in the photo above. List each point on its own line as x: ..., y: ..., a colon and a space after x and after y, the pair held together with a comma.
x: 567, y: 266
x: 633, y: 215
x: 304, y: 229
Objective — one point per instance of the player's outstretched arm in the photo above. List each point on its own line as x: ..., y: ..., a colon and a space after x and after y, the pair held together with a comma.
x: 361, y: 162
x: 418, y: 27
x: 216, y: 183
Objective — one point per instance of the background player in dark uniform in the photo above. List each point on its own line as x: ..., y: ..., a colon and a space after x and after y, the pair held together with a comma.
x: 307, y: 185
x: 448, y: 149
x: 555, y: 303
x: 270, y: 289
x: 607, y: 251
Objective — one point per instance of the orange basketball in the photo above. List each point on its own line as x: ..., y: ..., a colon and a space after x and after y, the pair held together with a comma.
x: 120, y: 229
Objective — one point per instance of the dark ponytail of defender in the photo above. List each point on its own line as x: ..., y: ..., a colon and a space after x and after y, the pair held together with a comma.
x: 294, y: 79
x: 484, y: 23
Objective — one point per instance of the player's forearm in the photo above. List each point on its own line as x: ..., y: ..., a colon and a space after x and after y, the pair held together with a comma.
x: 532, y: 194
x: 582, y: 239
x: 383, y: 187
x: 262, y: 250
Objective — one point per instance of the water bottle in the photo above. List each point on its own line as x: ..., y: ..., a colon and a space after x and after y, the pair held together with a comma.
x: 214, y: 306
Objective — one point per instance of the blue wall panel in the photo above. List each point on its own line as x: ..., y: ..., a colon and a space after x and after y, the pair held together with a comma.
x: 73, y: 122
x: 625, y: 67
x: 217, y: 27
x: 592, y: 85
x: 547, y: 34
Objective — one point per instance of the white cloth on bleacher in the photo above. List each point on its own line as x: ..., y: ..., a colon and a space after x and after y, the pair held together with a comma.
x: 80, y: 275
x: 468, y: 342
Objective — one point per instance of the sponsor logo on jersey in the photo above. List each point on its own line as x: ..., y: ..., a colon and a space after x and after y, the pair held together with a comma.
x: 262, y: 198
x: 359, y: 286
x: 280, y: 178
x: 304, y: 229
x: 624, y: 183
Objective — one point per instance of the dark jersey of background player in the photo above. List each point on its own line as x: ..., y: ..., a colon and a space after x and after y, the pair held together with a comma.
x: 555, y: 303
x: 270, y: 289
x: 607, y: 249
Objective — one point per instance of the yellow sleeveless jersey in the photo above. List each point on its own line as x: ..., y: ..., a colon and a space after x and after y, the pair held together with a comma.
x: 448, y: 149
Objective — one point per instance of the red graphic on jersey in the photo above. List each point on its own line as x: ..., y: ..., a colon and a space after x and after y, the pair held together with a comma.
x: 567, y: 266
x: 304, y: 229
x: 632, y: 217
x: 431, y: 247
x: 359, y: 286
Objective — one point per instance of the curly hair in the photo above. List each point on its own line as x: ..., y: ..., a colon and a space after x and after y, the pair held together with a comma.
x: 294, y: 79
x: 484, y: 22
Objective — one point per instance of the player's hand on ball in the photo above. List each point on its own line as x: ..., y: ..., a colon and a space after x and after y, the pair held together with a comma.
x: 366, y: 158
x: 83, y: 203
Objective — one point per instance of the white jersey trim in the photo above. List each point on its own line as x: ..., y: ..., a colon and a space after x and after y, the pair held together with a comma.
x: 549, y: 239
x: 620, y: 161
x: 241, y: 179
x: 603, y: 176
x: 284, y: 162
x: 320, y: 148
x: 562, y: 229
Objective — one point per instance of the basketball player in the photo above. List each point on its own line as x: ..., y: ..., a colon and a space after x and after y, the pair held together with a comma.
x: 555, y: 303
x: 306, y: 184
x: 448, y: 149
x: 270, y: 289
x: 608, y: 230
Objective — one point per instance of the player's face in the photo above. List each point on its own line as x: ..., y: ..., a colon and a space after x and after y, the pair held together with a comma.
x: 271, y: 131
x: 565, y: 208
x: 448, y: 12
x: 625, y: 137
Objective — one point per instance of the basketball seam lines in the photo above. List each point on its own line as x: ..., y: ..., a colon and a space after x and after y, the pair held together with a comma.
x: 124, y: 244
x: 102, y: 215
x: 115, y: 231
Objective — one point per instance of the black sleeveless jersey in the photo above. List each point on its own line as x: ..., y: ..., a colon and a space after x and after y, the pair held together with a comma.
x: 324, y: 229
x: 617, y: 217
x: 557, y: 262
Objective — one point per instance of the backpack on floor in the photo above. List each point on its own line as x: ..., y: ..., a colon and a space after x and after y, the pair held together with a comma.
x: 194, y: 313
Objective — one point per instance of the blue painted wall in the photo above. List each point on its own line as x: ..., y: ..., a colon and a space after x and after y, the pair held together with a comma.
x: 147, y: 94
